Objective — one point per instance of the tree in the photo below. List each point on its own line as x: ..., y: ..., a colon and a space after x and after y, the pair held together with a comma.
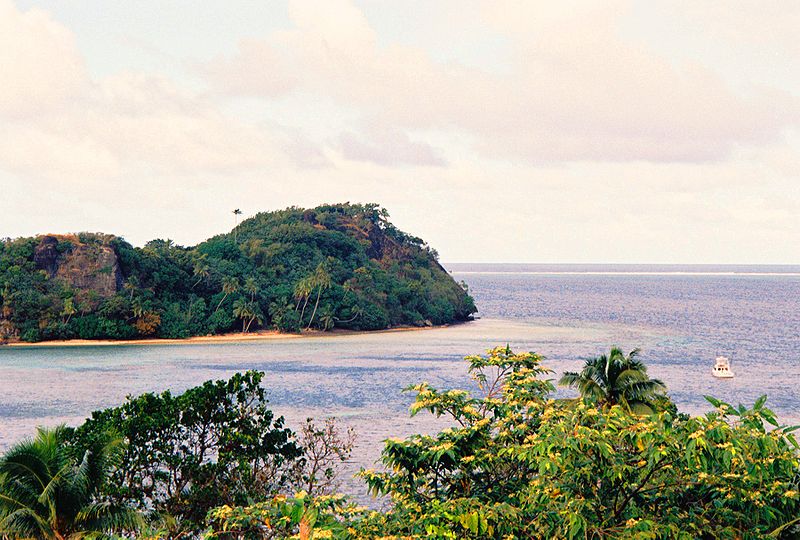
x: 230, y: 285
x: 51, y: 490
x: 147, y: 323
x: 236, y: 214
x: 248, y: 312
x: 355, y: 312
x: 200, y: 270
x: 302, y: 292
x: 617, y: 379
x: 321, y: 281
x: 324, y: 448
x: 131, y: 285
x: 327, y: 319
x: 251, y: 286
x: 283, y: 315
x: 516, y: 463
x: 215, y: 444
x: 69, y: 309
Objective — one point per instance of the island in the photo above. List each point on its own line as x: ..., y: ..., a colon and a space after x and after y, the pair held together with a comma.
x: 336, y: 266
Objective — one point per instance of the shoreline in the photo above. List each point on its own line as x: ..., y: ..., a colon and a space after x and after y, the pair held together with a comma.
x: 264, y: 335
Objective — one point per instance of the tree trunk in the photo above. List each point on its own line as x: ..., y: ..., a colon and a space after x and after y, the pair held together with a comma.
x: 220, y: 302
x: 316, y: 304
x: 304, y: 308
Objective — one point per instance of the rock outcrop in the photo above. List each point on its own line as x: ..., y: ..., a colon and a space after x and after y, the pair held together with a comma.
x: 84, y: 266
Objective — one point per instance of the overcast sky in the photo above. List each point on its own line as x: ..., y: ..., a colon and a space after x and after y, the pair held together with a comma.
x: 508, y: 131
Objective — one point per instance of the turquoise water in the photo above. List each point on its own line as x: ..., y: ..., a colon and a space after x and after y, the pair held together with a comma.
x: 564, y: 312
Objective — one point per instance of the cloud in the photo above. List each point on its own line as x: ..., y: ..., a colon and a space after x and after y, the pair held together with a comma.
x: 388, y: 147
x: 574, y: 90
x: 60, y: 123
x: 41, y: 65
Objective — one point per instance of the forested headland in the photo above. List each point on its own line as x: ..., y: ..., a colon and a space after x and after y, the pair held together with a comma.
x: 335, y: 266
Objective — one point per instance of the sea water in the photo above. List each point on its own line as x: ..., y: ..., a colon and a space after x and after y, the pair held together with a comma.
x: 681, y: 317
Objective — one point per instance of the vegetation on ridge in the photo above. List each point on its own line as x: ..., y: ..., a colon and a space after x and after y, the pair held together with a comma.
x: 334, y: 266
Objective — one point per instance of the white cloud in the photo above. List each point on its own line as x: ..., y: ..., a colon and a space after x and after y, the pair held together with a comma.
x: 41, y: 67
x: 576, y: 90
x: 390, y: 147
x: 610, y: 149
x: 60, y: 123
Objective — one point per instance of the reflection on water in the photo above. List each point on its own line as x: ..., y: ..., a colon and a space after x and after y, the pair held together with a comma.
x: 680, y: 323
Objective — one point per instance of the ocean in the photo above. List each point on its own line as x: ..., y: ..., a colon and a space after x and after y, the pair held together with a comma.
x: 681, y: 317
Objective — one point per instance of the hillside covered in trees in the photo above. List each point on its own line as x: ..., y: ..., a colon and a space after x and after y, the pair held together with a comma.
x: 334, y: 266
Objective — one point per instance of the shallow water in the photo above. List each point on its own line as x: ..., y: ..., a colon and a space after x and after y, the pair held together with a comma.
x: 681, y: 322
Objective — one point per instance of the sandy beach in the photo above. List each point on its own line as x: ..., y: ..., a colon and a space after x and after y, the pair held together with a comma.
x: 265, y: 335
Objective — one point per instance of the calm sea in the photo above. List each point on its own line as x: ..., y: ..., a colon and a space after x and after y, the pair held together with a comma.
x: 680, y: 316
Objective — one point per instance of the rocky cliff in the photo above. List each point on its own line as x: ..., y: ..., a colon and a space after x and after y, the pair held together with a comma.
x: 83, y: 266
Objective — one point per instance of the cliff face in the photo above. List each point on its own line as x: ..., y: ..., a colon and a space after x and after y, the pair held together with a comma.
x: 82, y: 266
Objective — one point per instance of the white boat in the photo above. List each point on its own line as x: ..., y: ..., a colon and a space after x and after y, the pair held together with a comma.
x: 722, y: 368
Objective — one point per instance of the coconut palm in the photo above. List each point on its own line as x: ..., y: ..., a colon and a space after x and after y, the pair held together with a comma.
x: 251, y: 286
x: 302, y: 292
x: 236, y: 214
x: 355, y: 312
x: 201, y: 270
x: 69, y: 309
x: 248, y: 312
x: 322, y: 281
x: 327, y: 319
x: 229, y: 286
x: 617, y: 379
x: 48, y: 490
x: 131, y: 285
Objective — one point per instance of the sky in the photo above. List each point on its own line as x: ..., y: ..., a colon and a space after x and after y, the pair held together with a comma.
x: 498, y: 131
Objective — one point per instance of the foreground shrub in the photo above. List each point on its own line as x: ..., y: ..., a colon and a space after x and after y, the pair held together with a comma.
x: 519, y: 464
x: 53, y: 491
x: 215, y: 444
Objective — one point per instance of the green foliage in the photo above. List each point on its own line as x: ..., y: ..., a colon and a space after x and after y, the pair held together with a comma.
x: 616, y: 379
x: 340, y: 266
x: 51, y: 490
x: 215, y: 444
x: 517, y: 463
x: 300, y: 516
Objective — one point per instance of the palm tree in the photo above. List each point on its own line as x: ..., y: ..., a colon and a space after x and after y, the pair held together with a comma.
x: 229, y: 286
x: 236, y: 214
x: 201, y: 270
x: 50, y: 491
x: 251, y: 286
x: 131, y: 285
x: 137, y: 307
x: 355, y: 312
x: 302, y: 292
x: 69, y: 309
x: 248, y: 312
x: 278, y: 310
x: 322, y: 281
x: 327, y: 319
x: 242, y: 310
x: 617, y: 379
